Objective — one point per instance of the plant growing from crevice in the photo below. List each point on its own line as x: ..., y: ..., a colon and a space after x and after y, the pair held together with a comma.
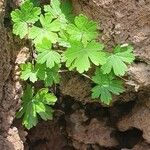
x: 59, y: 38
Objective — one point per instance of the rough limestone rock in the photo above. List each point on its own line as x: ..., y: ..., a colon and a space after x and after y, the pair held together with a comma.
x: 138, y: 118
x: 141, y: 146
x: 76, y: 86
x: 10, y: 87
x: 47, y: 135
x: 94, y: 132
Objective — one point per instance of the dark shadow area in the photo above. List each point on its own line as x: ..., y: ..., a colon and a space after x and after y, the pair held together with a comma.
x: 129, y: 138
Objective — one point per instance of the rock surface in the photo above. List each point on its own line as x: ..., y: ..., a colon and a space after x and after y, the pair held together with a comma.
x: 93, y: 132
x: 138, y: 118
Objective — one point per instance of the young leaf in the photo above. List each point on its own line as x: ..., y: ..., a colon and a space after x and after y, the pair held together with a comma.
x: 28, y: 72
x: 64, y: 39
x: 49, y: 76
x: 83, y: 30
x: 49, y: 30
x: 45, y: 97
x: 52, y: 76
x: 105, y: 86
x: 123, y: 54
x: 50, y: 57
x: 53, y: 8
x: 36, y: 105
x: 23, y: 17
x: 79, y: 57
x: 55, y: 11
x: 45, y: 45
x: 40, y: 72
x: 47, y: 55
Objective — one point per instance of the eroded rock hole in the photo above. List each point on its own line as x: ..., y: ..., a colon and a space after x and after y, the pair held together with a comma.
x: 129, y: 138
x: 119, y: 110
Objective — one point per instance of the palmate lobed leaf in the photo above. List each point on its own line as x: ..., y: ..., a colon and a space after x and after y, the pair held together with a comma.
x: 47, y: 55
x: 45, y: 45
x: 123, y: 54
x: 48, y: 30
x: 40, y: 72
x: 27, y: 14
x: 54, y: 9
x: 60, y: 9
x: 34, y: 106
x: 28, y: 72
x: 38, y: 34
x: 45, y: 112
x: 50, y: 57
x: 83, y: 29
x: 49, y: 76
x: 106, y: 85
x: 49, y: 23
x: 20, y: 29
x: 80, y: 57
x: 45, y: 97
x: 52, y: 76
x: 64, y: 39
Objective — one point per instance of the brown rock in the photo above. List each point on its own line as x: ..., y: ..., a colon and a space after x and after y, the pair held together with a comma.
x: 141, y: 146
x: 76, y: 86
x: 14, y: 139
x: 46, y: 135
x: 138, y: 118
x: 96, y: 132
x: 140, y: 74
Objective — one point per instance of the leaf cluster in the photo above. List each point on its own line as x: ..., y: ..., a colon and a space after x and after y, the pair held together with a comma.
x: 61, y: 39
x: 36, y: 105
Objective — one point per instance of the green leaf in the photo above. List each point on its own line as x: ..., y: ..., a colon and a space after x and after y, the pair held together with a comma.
x: 28, y: 94
x: 47, y: 55
x: 55, y: 11
x: 45, y: 112
x: 79, y: 57
x: 83, y: 30
x: 38, y: 34
x: 64, y: 39
x: 20, y: 29
x: 52, y: 76
x: 67, y: 10
x: 40, y: 72
x: 23, y: 17
x: 28, y: 72
x: 49, y: 76
x: 45, y: 97
x: 30, y: 116
x: 32, y: 106
x: 49, y: 30
x: 50, y: 57
x: 106, y: 84
x: 45, y: 45
x: 123, y: 54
